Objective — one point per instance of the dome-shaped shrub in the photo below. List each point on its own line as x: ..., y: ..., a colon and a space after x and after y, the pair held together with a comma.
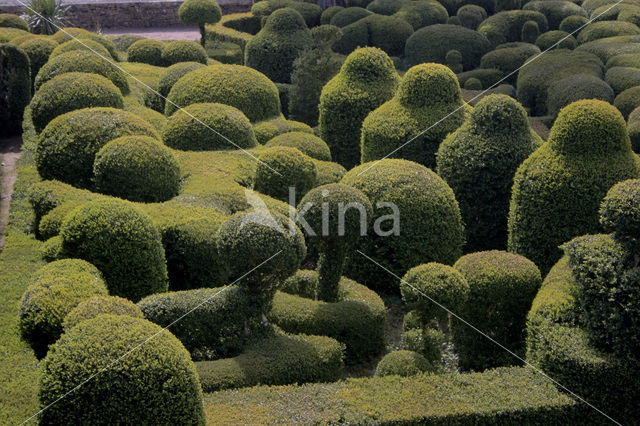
x: 555, y: 10
x: 329, y: 13
x: 269, y: 129
x: 81, y: 61
x: 501, y: 288
x: 87, y: 45
x: 281, y: 168
x: 624, y: 60
x: 56, y: 289
x: 622, y: 78
x: 422, y: 14
x: 8, y: 20
x: 556, y: 40
x: 190, y: 129
x: 239, y: 86
x: 473, y: 84
x: 71, y: 91
x: 154, y: 383
x: 384, y: 32
x: 429, y: 227
x: 506, y: 26
x: 366, y: 80
x: 348, y: 16
x: 431, y: 44
x: 427, y: 93
x: 38, y: 49
x: 599, y: 30
x: 147, y: 51
x: 403, y: 363
x: 509, y: 58
x: 52, y: 249
x: 572, y: 23
x: 626, y: 102
x: 122, y: 242
x: 426, y: 341
x: 307, y: 143
x: 478, y: 161
x: 620, y: 211
x: 98, y: 305
x: 282, y: 39
x: 530, y: 32
x: 172, y: 74
x: 574, y: 88
x: 67, y: 147
x: 183, y: 51
x: 137, y: 168
x: 471, y: 16
x: 70, y: 34
x: 633, y: 128
x: 15, y: 88
x: 558, y: 189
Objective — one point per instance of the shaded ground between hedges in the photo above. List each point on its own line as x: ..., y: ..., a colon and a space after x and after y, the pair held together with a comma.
x: 9, y: 155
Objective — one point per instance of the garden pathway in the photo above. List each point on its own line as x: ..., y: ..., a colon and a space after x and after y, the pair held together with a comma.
x: 9, y: 155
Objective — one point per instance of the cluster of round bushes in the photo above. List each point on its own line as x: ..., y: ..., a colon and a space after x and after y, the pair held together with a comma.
x: 598, y: 30
x: 402, y: 363
x: 86, y: 45
x: 509, y: 58
x: 556, y: 11
x: 384, y: 32
x: 168, y: 78
x: 307, y: 143
x: 163, y: 54
x: 269, y: 129
x: 67, y: 34
x: 310, y: 12
x: 507, y: 26
x: 281, y: 168
x: 15, y: 88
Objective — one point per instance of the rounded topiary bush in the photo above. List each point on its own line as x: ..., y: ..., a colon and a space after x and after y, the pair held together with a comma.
x: 137, y: 168
x: 509, y: 58
x: 426, y: 341
x: 183, y: 51
x: 269, y: 129
x: 67, y: 147
x: 558, y: 189
x: 155, y: 382
x: 428, y: 93
x: 38, y: 49
x: 15, y: 88
x: 81, y: 61
x: 530, y: 32
x: 622, y: 78
x: 388, y: 33
x: 366, y: 80
x: 571, y: 89
x: 620, y: 211
x: 71, y: 91
x: 428, y: 228
x: 99, y: 305
x: 633, y: 128
x: 627, y: 102
x: 190, y: 129
x: 281, y: 168
x: 473, y: 84
x: 172, y: 74
x: 556, y: 40
x: 52, y: 249
x: 8, y: 20
x: 347, y: 16
x: 147, y: 51
x: 402, y: 363
x: 478, y: 161
x: 556, y: 10
x: 599, y: 30
x: 200, y: 12
x: 501, y: 288
x: 280, y: 41
x: 507, y: 26
x: 471, y: 16
x: 329, y: 13
x: 87, y: 45
x: 55, y: 290
x: 307, y: 143
x: 130, y: 255
x: 70, y: 34
x: 239, y: 86
x: 573, y: 23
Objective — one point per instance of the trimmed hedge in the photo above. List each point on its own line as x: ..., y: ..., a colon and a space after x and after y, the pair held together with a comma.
x: 572, y: 23
x: 38, y: 49
x: 507, y: 26
x: 402, y: 363
x: 280, y: 168
x: 153, y: 383
x: 227, y: 31
x: 349, y: 15
x: 633, y: 127
x: 78, y: 33
x: 384, y: 32
x: 269, y: 129
x: 471, y: 16
x: 609, y: 47
x: 599, y: 30
x: 622, y: 78
x: 423, y: 14
x: 328, y: 172
x: 508, y: 58
x: 624, y: 60
x: 555, y: 10
x: 86, y: 45
x: 183, y: 51
x: 556, y: 40
x: 15, y: 88
x: 170, y: 76
x: 147, y: 51
x: 8, y: 34
x: 98, y: 305
x: 307, y: 143
x: 619, y: 214
x: 329, y: 13
x: 574, y: 88
x: 488, y: 77
x: 8, y: 20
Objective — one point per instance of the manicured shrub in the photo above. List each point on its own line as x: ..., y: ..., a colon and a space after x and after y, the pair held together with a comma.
x: 620, y: 212
x: 622, y: 78
x: 38, y: 49
x: 329, y: 13
x: 506, y: 26
x: 15, y: 88
x: 190, y: 129
x: 99, y: 305
x: 572, y: 23
x: 68, y: 33
x: 427, y: 93
x: 328, y: 172
x: 509, y: 58
x: 432, y: 229
x: 168, y: 78
x: 269, y: 129
x: 471, y: 16
x: 556, y: 40
x: 129, y: 255
x: 123, y: 41
x: 453, y: 60
x: 183, y: 51
x: 530, y: 32
x: 8, y: 20
x: 86, y: 45
x: 200, y: 12
x: 238, y: 86
x: 588, y: 151
x: 473, y: 84
x: 478, y: 161
x: 501, y: 288
x: 78, y: 33
x: 427, y: 342
x: 366, y: 80
x: 431, y: 44
x: 154, y: 383
x: 571, y: 89
x: 402, y: 363
x: 147, y: 51
x: 555, y: 10
x: 81, y: 61
x: 280, y: 168
x: 8, y: 34
x: 55, y: 290
x: 67, y: 147
x: 423, y: 14
x: 633, y: 127
x: 598, y: 30
x: 347, y: 16
x: 624, y: 60
x: 384, y: 32
x: 52, y: 249
x: 488, y: 77
x: 137, y: 168
x: 609, y: 47
x: 72, y: 91
x: 307, y: 143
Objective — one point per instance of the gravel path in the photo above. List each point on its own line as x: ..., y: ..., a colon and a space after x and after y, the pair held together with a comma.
x: 9, y: 155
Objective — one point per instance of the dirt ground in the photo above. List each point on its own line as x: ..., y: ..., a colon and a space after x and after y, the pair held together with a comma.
x: 9, y: 155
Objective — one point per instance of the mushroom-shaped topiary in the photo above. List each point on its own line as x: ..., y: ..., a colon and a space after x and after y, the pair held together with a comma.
x: 478, y: 162
x: 122, y: 242
x: 620, y: 212
x: 137, y: 168
x: 281, y: 169
x: 307, y: 143
x: 98, y: 305
x: 154, y: 383
x: 200, y: 12
x: 178, y: 51
x: 403, y: 363
x: 334, y: 217
x: 426, y: 108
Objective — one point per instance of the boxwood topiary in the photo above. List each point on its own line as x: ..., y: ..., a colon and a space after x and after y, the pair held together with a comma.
x: 478, y: 161
x: 280, y: 168
x: 598, y: 30
x: 269, y: 129
x: 129, y: 255
x: 172, y: 74
x: 8, y: 34
x: 328, y: 172
x: 55, y: 290
x: 402, y: 363
x: 86, y: 45
x: 633, y: 127
x: 52, y: 249
x: 200, y: 12
x: 366, y: 80
x: 189, y: 129
x: 154, y: 383
x: 239, y: 86
x: 384, y: 32
x: 580, y: 86
x: 471, y: 16
x: 588, y: 151
x: 573, y: 23
x: 622, y: 78
x: 556, y: 40
x: 347, y: 16
x: 183, y: 51
x: 422, y: 14
x: 8, y: 20
x: 509, y: 58
x: 38, y: 49
x: 329, y: 13
x: 488, y: 77
x: 71, y: 91
x: 429, y: 217
x: 501, y: 288
x: 620, y: 212
x: 67, y: 34
x: 15, y: 88
x: 147, y: 51
x: 425, y: 109
x: 507, y: 26
x: 307, y: 143
x: 98, y: 305
x: 555, y: 10
x: 426, y: 341
x: 137, y: 168
x: 530, y: 32
x: 67, y: 147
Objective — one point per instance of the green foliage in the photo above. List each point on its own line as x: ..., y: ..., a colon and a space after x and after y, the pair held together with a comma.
x: 183, y: 51
x: 123, y: 41
x: 573, y: 88
x: 509, y: 58
x: 199, y: 12
x: 328, y: 172
x: 422, y: 14
x: 72, y: 91
x: 572, y: 23
x: 15, y: 88
x: 432, y: 229
x: 556, y: 11
x: 190, y: 129
x: 309, y: 11
x: 9, y: 34
x: 624, y: 60
x: 307, y: 143
x: 473, y: 84
x: 347, y: 16
x: 556, y: 40
x: 507, y: 26
x: 156, y: 382
x: 238, y: 86
x: 633, y: 127
x: 86, y: 45
x: 329, y: 13
x: 147, y: 51
x: 384, y: 32
x: 599, y: 30
x: 68, y: 34
x: 471, y: 16
x: 170, y: 76
x: 8, y: 20
x: 129, y: 255
x: 237, y: 28
x: 402, y: 363
x: 38, y: 49
x: 530, y: 32
x: 52, y: 249
x: 620, y: 211
x: 428, y: 94
x: 453, y: 60
x: 282, y: 167
x: 501, y: 288
x: 67, y: 147
x: 488, y: 77
x: 98, y: 305
x: 622, y: 78
x: 269, y: 129
x: 426, y: 342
